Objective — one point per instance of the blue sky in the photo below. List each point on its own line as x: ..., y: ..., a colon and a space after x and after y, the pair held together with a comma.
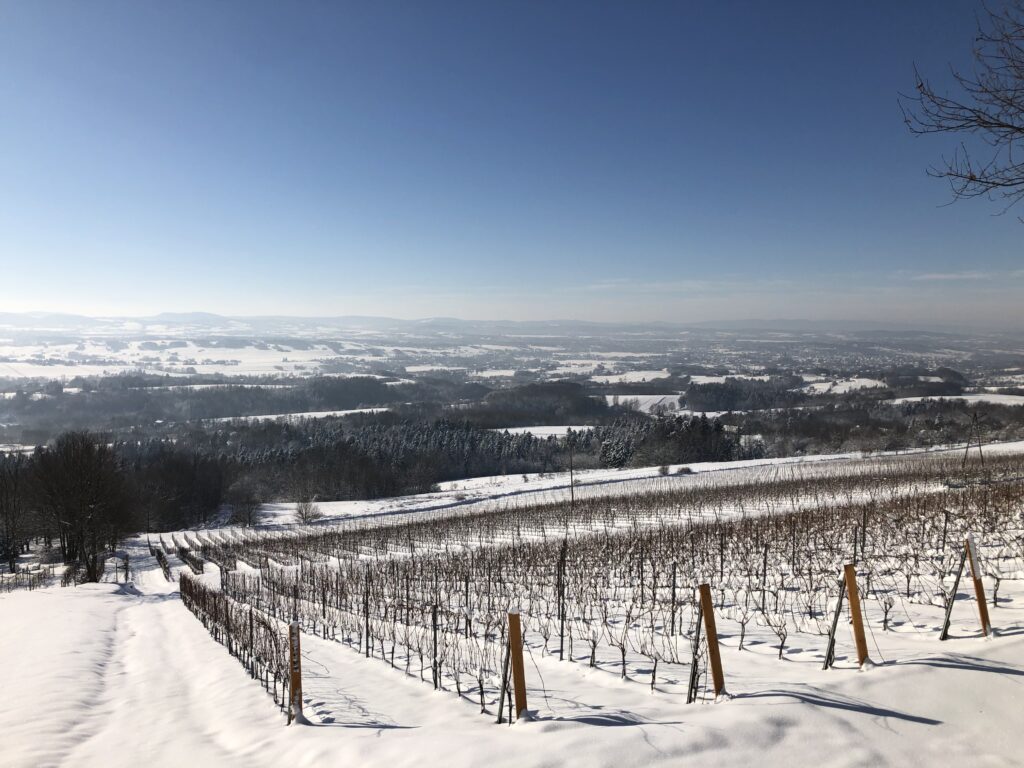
x: 594, y: 160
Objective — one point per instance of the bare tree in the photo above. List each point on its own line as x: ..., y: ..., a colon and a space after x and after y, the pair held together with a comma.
x: 12, y: 508
x: 81, y: 490
x: 307, y: 512
x: 988, y: 112
x: 245, y: 501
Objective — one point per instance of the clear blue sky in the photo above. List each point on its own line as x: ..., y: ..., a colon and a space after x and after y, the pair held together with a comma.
x: 629, y: 160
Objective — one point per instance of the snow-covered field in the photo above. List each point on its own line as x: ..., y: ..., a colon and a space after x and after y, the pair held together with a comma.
x: 646, y: 403
x: 701, y: 379
x: 123, y: 675
x: 542, y: 431
x: 842, y: 386
x: 502, y: 491
x: 631, y: 377
x: 976, y: 398
x: 297, y: 416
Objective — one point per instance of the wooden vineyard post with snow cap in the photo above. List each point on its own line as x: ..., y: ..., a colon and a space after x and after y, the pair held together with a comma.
x: 515, y: 648
x: 979, y: 588
x: 855, y: 613
x: 295, y: 677
x: 711, y: 632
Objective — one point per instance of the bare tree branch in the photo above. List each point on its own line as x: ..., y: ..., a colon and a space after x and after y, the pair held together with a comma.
x: 989, y: 108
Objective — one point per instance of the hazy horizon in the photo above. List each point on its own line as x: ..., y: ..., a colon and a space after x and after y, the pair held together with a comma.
x: 187, y: 318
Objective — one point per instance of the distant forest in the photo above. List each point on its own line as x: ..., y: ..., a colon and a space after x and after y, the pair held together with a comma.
x: 153, y: 469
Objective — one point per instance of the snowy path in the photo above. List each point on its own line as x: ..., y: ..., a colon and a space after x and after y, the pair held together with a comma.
x: 117, y: 676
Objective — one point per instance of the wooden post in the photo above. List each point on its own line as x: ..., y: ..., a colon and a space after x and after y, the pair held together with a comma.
x: 515, y: 646
x: 295, y: 681
x: 712, y: 635
x: 855, y: 613
x: 979, y: 588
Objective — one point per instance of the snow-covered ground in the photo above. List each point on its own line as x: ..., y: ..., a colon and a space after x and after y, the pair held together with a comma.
x: 543, y: 431
x: 124, y: 675
x: 502, y: 491
x: 646, y: 403
x: 976, y: 398
x: 297, y: 416
x: 701, y: 379
x: 842, y: 386
x: 631, y: 377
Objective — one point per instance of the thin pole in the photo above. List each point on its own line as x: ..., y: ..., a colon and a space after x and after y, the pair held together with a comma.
x: 952, y: 596
x: 830, y: 652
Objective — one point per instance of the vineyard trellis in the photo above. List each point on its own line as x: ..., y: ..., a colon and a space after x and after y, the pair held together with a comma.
x: 612, y: 578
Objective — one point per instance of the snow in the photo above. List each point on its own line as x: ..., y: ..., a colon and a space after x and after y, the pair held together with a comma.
x: 700, y: 379
x: 542, y: 431
x: 842, y: 386
x: 646, y: 403
x: 976, y: 398
x: 16, y: 448
x: 430, y: 368
x: 297, y: 416
x: 632, y: 377
x: 121, y: 675
x: 30, y: 370
x: 502, y: 491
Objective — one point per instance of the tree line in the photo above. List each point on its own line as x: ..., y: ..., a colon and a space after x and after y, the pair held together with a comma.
x: 83, y: 492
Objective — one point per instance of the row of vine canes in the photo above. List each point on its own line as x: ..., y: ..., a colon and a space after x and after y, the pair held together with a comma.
x: 276, y: 661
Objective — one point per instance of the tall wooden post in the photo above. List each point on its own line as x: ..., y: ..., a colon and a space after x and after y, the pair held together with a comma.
x: 515, y: 647
x: 295, y: 679
x: 712, y: 635
x: 855, y: 613
x: 979, y: 588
